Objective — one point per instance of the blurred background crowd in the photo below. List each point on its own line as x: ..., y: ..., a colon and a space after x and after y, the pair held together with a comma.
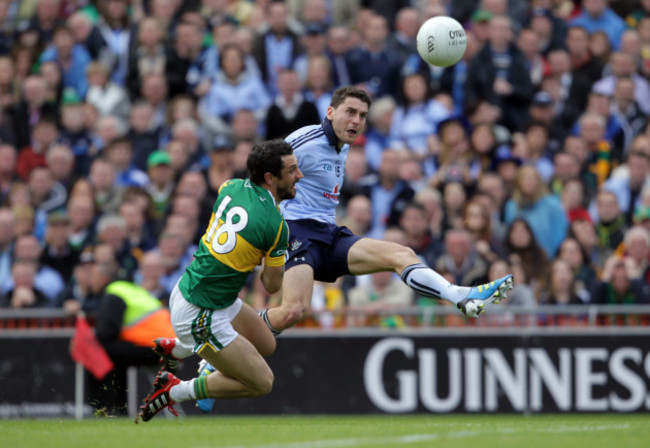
x: 120, y: 119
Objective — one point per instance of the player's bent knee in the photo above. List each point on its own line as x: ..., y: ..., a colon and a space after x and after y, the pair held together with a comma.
x: 264, y: 385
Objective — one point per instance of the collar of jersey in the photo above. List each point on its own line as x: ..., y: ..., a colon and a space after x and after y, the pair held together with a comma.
x: 331, y: 136
x: 261, y: 190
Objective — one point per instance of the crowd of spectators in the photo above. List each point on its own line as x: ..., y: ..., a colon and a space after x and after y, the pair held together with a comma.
x: 120, y: 119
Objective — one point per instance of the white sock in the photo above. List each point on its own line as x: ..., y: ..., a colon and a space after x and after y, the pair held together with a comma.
x: 183, y: 391
x: 180, y: 352
x: 428, y: 282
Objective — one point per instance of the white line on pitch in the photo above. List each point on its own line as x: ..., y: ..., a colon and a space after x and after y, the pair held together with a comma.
x: 415, y: 438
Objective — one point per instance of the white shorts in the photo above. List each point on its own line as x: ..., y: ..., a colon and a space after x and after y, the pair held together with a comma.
x: 197, y: 328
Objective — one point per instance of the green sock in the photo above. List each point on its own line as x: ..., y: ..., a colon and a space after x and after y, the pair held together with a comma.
x: 201, y: 388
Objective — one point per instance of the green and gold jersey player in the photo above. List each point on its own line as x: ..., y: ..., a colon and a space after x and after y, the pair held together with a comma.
x: 246, y: 226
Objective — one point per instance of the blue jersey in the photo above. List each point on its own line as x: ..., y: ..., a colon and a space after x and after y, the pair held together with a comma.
x: 323, y: 165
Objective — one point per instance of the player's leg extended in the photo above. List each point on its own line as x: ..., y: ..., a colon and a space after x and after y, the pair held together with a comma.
x: 297, y: 289
x: 369, y: 255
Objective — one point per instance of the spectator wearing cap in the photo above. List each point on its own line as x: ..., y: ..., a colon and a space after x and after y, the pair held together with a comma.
x: 595, y: 15
x: 505, y: 165
x: 498, y: 75
x: 161, y: 185
x: 74, y: 132
x: 234, y: 89
x: 479, y: 23
x: 542, y: 111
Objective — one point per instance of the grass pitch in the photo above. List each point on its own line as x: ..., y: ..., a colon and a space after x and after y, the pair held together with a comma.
x: 440, y: 431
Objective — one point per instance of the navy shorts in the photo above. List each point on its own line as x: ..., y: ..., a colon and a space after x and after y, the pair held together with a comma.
x: 322, y: 246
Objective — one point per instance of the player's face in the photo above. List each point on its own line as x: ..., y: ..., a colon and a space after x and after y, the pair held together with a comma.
x: 348, y: 119
x: 290, y: 175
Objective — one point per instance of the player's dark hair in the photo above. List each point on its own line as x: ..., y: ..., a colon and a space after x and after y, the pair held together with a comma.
x: 266, y: 157
x: 349, y: 91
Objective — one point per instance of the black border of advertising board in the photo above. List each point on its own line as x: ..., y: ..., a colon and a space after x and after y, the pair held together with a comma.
x: 385, y: 373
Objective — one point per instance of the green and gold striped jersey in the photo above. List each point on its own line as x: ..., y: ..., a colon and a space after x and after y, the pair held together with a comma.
x: 246, y: 227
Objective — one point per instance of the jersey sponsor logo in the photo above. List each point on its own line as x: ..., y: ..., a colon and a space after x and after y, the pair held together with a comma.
x: 334, y: 195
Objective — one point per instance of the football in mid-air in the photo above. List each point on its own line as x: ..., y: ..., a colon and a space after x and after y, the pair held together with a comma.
x: 441, y: 41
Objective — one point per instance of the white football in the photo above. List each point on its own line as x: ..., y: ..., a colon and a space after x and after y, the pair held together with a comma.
x: 441, y: 41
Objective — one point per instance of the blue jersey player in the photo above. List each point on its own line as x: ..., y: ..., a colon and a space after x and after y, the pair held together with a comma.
x: 321, y: 250
x: 318, y: 249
